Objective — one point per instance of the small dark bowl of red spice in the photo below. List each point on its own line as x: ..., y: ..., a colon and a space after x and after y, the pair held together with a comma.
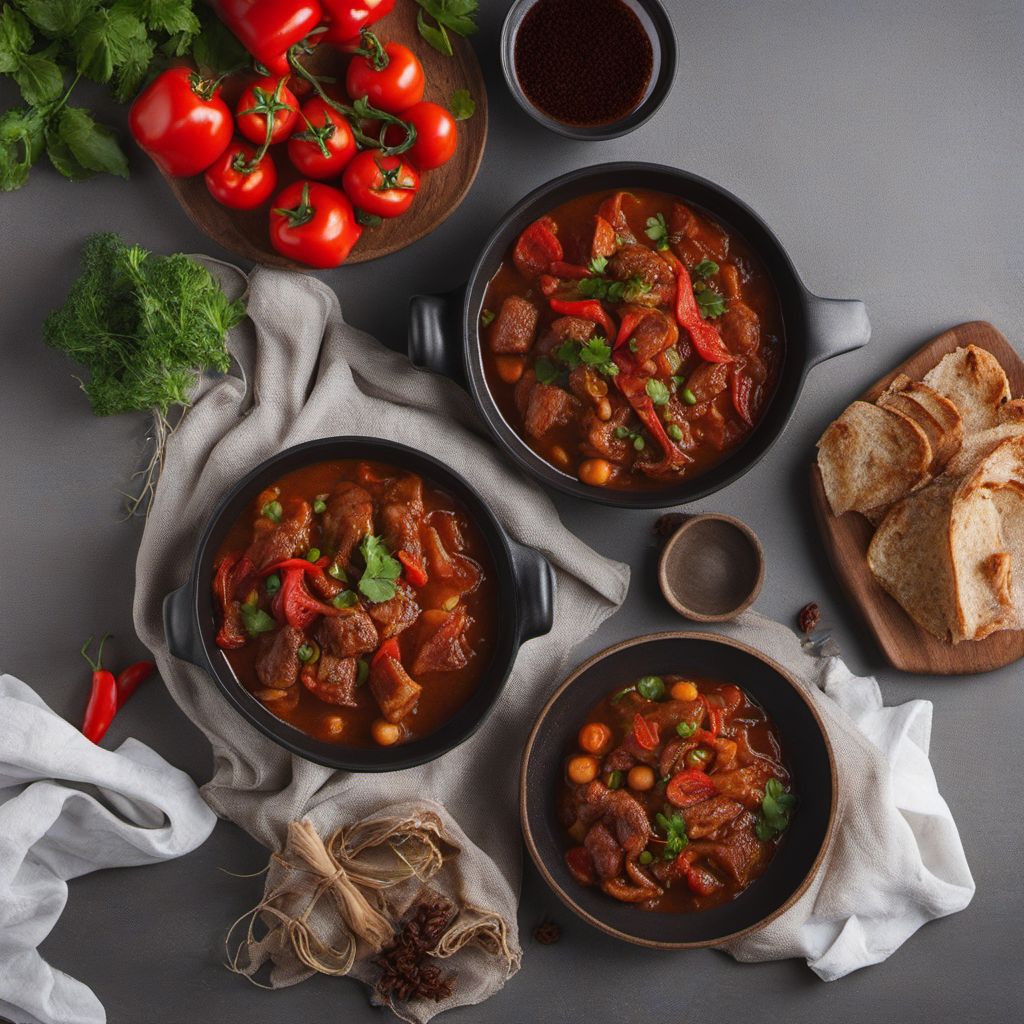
x: 589, y: 69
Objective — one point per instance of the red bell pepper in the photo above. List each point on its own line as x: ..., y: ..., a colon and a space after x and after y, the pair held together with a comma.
x: 414, y: 571
x: 102, y: 706
x: 130, y: 679
x: 588, y: 309
x: 269, y: 28
x: 350, y: 17
x: 537, y: 248
x: 627, y: 326
x: 634, y: 388
x: 706, y: 339
x: 689, y: 787
x: 388, y: 649
x: 295, y: 604
x: 741, y: 390
x: 297, y: 563
x: 645, y: 733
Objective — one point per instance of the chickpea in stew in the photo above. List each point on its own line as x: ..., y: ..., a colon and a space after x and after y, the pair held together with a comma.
x: 356, y: 602
x: 675, y: 794
x: 633, y: 340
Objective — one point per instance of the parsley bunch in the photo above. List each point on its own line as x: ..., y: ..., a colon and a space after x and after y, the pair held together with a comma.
x: 776, y: 807
x: 47, y: 46
x: 447, y: 16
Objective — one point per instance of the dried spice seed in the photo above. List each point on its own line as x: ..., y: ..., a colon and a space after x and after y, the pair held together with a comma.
x: 809, y: 617
x: 406, y: 973
x: 547, y: 933
x: 667, y: 524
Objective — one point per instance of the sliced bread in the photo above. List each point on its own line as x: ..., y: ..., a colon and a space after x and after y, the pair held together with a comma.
x: 975, y: 382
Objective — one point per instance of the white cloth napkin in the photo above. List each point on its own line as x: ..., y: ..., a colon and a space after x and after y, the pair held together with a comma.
x: 896, y: 860
x: 68, y: 807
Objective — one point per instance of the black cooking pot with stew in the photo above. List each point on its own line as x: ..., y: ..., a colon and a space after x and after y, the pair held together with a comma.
x: 525, y: 598
x: 444, y: 332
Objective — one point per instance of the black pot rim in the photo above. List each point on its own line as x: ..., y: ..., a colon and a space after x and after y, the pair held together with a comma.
x: 570, y: 680
x: 452, y: 733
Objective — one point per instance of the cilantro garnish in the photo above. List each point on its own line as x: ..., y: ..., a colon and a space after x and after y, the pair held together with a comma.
x: 706, y: 268
x: 377, y: 583
x: 674, y: 828
x: 710, y: 302
x: 776, y: 807
x: 657, y: 230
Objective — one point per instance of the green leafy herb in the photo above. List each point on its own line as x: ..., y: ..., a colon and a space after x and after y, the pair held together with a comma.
x: 686, y: 729
x: 706, y: 268
x: 613, y: 291
x: 674, y: 828
x: 377, y: 583
x: 598, y: 353
x: 487, y: 317
x: 545, y: 370
x: 598, y: 264
x: 776, y: 807
x: 710, y: 302
x: 346, y: 599
x: 568, y: 353
x: 273, y: 511
x: 658, y: 393
x: 462, y: 105
x: 657, y: 230
x: 447, y: 16
x: 47, y: 46
x: 651, y: 688
x: 256, y: 620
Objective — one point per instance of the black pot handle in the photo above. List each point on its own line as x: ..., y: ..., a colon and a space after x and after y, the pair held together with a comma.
x: 178, y: 626
x: 535, y: 580
x: 435, y: 334
x: 834, y: 326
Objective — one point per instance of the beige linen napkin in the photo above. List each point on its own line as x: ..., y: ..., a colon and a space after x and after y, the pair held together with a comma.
x: 312, y: 375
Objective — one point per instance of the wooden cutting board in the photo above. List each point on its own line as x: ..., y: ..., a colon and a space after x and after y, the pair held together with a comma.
x: 245, y: 232
x: 904, y: 643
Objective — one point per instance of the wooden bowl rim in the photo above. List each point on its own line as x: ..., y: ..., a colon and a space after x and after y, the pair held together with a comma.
x: 672, y: 596
x: 541, y: 866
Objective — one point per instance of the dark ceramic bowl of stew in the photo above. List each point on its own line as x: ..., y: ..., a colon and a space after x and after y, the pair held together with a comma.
x: 358, y: 602
x: 634, y: 335
x: 678, y: 790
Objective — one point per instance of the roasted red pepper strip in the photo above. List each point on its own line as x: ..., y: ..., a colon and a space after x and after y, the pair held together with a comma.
x: 588, y: 309
x: 714, y: 716
x: 537, y: 248
x: 645, y: 733
x: 102, y: 706
x: 634, y: 387
x: 130, y: 679
x: 627, y: 326
x: 269, y: 28
x: 388, y: 649
x: 741, y: 390
x: 699, y: 880
x: 569, y: 271
x: 706, y: 339
x: 297, y: 563
x: 295, y: 604
x: 414, y: 571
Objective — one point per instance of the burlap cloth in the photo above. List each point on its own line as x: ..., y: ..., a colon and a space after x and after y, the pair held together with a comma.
x: 307, y: 374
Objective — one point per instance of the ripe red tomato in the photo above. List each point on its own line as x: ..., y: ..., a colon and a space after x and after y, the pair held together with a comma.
x: 180, y: 120
x: 313, y: 224
x: 436, y: 135
x: 326, y: 145
x: 267, y: 97
x: 347, y: 18
x: 382, y: 185
x: 234, y: 182
x: 391, y: 77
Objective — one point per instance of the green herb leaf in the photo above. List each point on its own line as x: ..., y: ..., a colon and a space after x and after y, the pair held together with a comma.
x: 568, y: 353
x: 319, y: 506
x: 63, y: 159
x: 272, y: 583
x: 216, y: 50
x: 487, y: 317
x: 105, y: 40
x: 455, y: 15
x: 776, y: 808
x: 710, y: 303
x: 657, y: 392
x: 21, y: 144
x: 545, y: 370
x: 657, y: 230
x: 598, y: 264
x: 462, y: 105
x: 346, y: 599
x: 92, y: 145
x: 55, y: 17
x: 273, y: 511
x: 39, y: 79
x: 434, y: 34
x: 170, y: 16
x: 674, y: 830
x: 598, y: 353
x: 15, y: 39
x: 256, y: 620
x: 706, y: 268
x: 378, y: 580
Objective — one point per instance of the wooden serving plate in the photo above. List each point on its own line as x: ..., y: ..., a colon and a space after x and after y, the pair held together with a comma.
x: 244, y: 232
x: 905, y: 645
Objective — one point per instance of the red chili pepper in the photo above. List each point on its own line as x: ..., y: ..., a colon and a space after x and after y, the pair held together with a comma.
x: 295, y: 604
x: 297, y: 563
x: 388, y: 649
x: 570, y: 271
x: 688, y: 787
x: 634, y: 387
x: 706, y: 339
x: 714, y: 716
x: 588, y: 309
x: 130, y: 678
x: 102, y: 706
x: 269, y: 28
x: 645, y: 733
x: 741, y: 389
x: 414, y: 571
x: 627, y: 326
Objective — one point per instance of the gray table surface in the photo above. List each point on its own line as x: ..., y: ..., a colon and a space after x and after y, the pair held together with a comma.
x: 884, y: 143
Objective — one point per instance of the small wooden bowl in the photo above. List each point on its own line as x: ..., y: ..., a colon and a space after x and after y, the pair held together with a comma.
x: 711, y: 568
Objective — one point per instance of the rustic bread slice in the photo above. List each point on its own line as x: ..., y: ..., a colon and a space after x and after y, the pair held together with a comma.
x: 978, y: 446
x: 973, y: 380
x: 871, y: 457
x: 910, y: 557
x: 1010, y: 503
x: 935, y: 414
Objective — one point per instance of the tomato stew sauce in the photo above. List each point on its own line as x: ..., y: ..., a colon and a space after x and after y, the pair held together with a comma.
x: 356, y: 602
x: 632, y: 340
x: 675, y: 794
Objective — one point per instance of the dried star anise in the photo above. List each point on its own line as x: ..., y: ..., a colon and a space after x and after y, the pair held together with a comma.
x: 666, y: 525
x: 547, y: 933
x: 406, y: 973
x: 809, y: 617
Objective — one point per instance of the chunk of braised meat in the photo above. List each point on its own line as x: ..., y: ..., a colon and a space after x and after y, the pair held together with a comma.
x: 348, y: 634
x: 601, y: 439
x: 346, y: 521
x: 622, y: 814
x: 548, y: 407
x: 565, y: 328
x: 231, y: 634
x: 448, y: 528
x: 746, y: 784
x: 740, y: 329
x: 274, y: 542
x: 395, y: 691
x: 694, y: 238
x: 589, y: 386
x: 332, y: 680
x: 446, y: 647
x: 324, y: 586
x: 277, y: 658
x: 611, y: 210
x: 637, y: 261
x: 515, y: 327
x: 604, y: 851
x: 706, y: 382
x: 603, y: 242
x: 739, y: 854
x: 709, y: 816
x: 639, y: 889
x: 653, y: 334
x: 460, y: 573
x: 401, y: 510
x: 521, y: 394
x: 712, y: 427
x: 397, y: 615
